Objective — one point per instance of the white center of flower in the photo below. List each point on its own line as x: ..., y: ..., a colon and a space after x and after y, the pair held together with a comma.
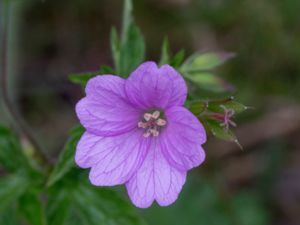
x: 152, y: 123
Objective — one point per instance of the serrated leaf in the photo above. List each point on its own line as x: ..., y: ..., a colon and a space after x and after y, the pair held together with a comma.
x: 11, y: 188
x: 12, y: 157
x: 208, y: 81
x: 165, y: 53
x: 205, y: 61
x: 32, y: 209
x: 66, y: 159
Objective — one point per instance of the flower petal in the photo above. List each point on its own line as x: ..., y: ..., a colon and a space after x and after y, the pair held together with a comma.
x: 155, y: 180
x: 182, y: 139
x: 113, y: 159
x: 149, y: 86
x: 105, y: 110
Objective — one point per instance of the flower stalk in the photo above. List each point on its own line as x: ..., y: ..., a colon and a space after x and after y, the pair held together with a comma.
x: 17, y: 119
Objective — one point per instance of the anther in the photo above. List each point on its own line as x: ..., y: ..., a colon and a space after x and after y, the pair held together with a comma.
x: 155, y: 114
x: 147, y: 134
x: 147, y: 116
x: 154, y: 132
x: 142, y: 125
x: 161, y: 122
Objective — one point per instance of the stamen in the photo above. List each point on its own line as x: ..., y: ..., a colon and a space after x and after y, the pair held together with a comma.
x: 155, y: 114
x: 152, y: 123
x: 147, y: 134
x: 154, y: 132
x: 161, y: 122
x: 142, y: 125
x: 147, y: 116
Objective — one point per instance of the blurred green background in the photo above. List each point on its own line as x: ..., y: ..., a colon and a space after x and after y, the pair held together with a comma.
x: 257, y: 186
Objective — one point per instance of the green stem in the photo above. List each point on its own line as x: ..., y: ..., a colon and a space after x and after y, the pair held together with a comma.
x: 17, y: 119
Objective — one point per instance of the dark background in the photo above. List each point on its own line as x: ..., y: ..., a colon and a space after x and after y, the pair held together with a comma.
x: 257, y: 186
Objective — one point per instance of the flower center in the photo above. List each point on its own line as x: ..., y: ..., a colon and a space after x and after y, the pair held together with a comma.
x: 152, y: 123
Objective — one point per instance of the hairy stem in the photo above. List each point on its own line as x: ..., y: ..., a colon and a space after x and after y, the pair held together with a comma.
x: 17, y: 119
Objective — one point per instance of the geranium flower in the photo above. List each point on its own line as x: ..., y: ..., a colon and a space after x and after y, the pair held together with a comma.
x: 139, y: 134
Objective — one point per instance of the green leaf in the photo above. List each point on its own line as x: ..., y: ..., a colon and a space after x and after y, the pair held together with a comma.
x: 11, y: 188
x: 219, y: 106
x: 82, y: 78
x: 212, y: 114
x: 132, y: 51
x: 32, y: 209
x: 115, y: 48
x: 205, y: 61
x: 128, y: 52
x: 58, y: 206
x: 177, y: 60
x: 165, y: 53
x: 167, y: 58
x: 106, y: 70
x: 73, y: 197
x: 12, y: 157
x: 208, y: 81
x: 197, y: 107
x: 9, y: 216
x: 236, y: 106
x: 127, y: 18
x: 66, y: 159
x: 220, y: 132
x: 102, y: 206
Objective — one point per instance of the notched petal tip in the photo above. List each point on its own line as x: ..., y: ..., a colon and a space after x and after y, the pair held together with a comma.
x: 141, y: 204
x: 100, y: 80
x: 150, y: 86
x: 148, y: 64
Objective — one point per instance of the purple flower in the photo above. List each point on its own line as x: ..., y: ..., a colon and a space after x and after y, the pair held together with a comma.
x: 139, y: 134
